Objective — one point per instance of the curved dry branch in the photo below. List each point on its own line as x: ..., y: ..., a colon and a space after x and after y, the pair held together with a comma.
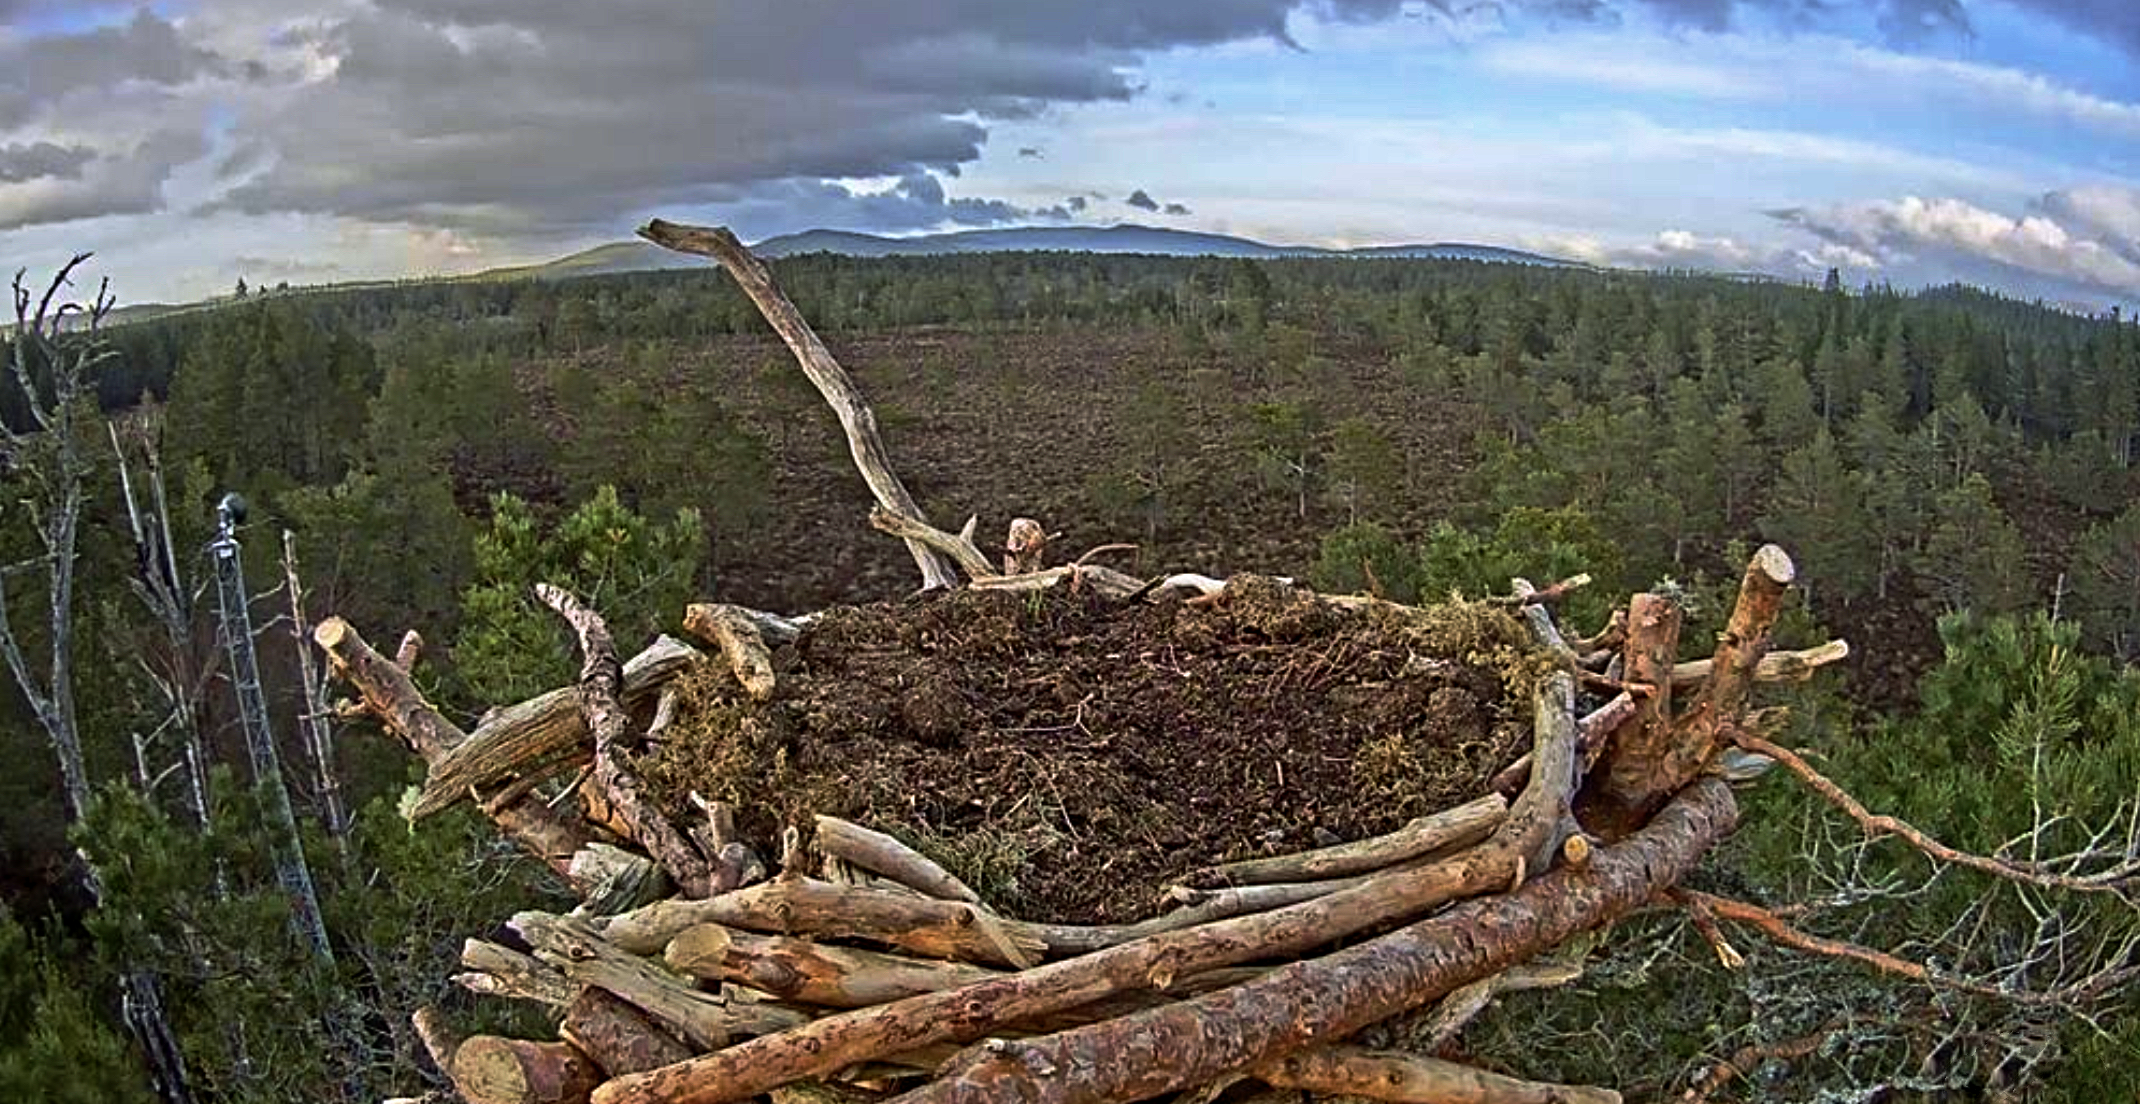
x: 1414, y: 1079
x: 856, y: 418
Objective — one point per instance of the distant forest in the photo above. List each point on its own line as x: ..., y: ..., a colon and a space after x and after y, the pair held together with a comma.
x: 1953, y: 470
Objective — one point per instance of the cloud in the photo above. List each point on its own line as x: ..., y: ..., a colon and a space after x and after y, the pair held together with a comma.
x: 1142, y: 201
x: 1972, y: 240
x: 1075, y: 203
x: 529, y: 116
x: 31, y: 161
x: 2116, y: 22
x: 2108, y: 213
x: 112, y: 183
x: 1176, y: 209
x: 1031, y: 152
x: 37, y: 72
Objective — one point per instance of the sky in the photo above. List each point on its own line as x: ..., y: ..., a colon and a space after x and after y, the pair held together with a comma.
x: 191, y: 143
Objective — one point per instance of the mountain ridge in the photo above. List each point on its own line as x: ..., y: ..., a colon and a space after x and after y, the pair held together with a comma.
x: 1122, y: 238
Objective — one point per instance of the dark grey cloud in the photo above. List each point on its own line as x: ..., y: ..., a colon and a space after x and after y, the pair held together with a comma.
x: 1902, y: 21
x: 1075, y: 203
x: 112, y: 183
x: 1032, y: 152
x: 541, y: 116
x: 916, y: 202
x: 1142, y: 201
x: 35, y: 72
x: 1176, y: 209
x: 37, y: 160
x: 2116, y: 22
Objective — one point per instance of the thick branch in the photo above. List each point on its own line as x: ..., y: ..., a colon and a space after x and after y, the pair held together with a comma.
x: 1633, y: 781
x: 601, y: 677
x: 958, y: 546
x: 509, y: 973
x: 1414, y: 1079
x: 856, y: 417
x: 705, y: 1020
x: 617, y: 1036
x: 875, y: 851
x: 1459, y: 827
x: 812, y: 973
x: 1795, y: 666
x: 551, y: 835
x: 939, y: 929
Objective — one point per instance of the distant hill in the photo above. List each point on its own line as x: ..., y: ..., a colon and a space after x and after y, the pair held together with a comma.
x: 1125, y: 238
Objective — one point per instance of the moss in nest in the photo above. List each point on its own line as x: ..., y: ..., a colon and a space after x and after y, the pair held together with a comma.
x: 720, y: 745
x: 1479, y: 634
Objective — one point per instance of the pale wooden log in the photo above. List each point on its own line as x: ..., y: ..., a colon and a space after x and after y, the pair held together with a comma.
x: 938, y: 929
x: 438, y: 1038
x: 811, y: 973
x: 618, y: 1037
x: 1464, y: 825
x: 876, y: 851
x: 1105, y: 581
x: 958, y: 546
x: 1528, y: 595
x: 856, y: 418
x: 707, y: 1021
x: 837, y: 1042
x: 1414, y: 1079
x: 611, y: 879
x: 505, y: 972
x: 552, y: 835
x: 411, y: 649
x: 1464, y: 1005
x: 1795, y: 666
x: 544, y: 733
x: 1595, y: 731
x: 601, y: 679
x: 491, y: 1070
x: 735, y: 862
x: 728, y: 628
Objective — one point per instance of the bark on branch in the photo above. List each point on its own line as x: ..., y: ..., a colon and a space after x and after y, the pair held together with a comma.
x: 601, y: 677
x: 1414, y: 1079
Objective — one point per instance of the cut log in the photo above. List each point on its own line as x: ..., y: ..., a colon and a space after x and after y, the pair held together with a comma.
x: 1414, y: 1079
x: 783, y: 906
x: 1104, y: 581
x: 856, y: 418
x: 601, y: 679
x: 1459, y: 827
x: 552, y: 835
x: 812, y: 973
x: 508, y: 973
x: 544, y: 733
x: 707, y: 1021
x: 731, y: 630
x: 618, y: 1037
x: 491, y: 1070
x: 836, y: 1042
x: 876, y: 851
x: 1197, y: 1041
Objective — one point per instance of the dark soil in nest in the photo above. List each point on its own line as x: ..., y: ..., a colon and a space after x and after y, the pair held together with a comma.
x: 1070, y: 757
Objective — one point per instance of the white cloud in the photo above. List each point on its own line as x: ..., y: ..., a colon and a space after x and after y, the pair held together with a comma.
x: 1960, y: 233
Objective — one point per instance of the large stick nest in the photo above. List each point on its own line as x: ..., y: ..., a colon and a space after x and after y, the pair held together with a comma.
x: 1069, y: 756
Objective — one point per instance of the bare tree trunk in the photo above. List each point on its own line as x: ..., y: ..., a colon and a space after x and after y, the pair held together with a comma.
x: 319, y: 733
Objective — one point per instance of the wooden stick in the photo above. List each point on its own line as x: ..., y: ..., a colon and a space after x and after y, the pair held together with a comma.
x: 1620, y: 797
x: 1414, y: 1079
x: 549, y: 834
x: 836, y: 1042
x: 1462, y: 826
x: 512, y: 974
x: 856, y: 418
x: 728, y: 628
x: 619, y: 1038
x: 811, y: 973
x: 873, y: 850
x: 543, y: 733
x: 958, y: 546
x: 1105, y: 581
x: 1795, y: 666
x: 601, y: 676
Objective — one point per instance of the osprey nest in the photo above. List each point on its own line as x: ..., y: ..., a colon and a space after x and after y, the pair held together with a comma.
x: 1055, y: 835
